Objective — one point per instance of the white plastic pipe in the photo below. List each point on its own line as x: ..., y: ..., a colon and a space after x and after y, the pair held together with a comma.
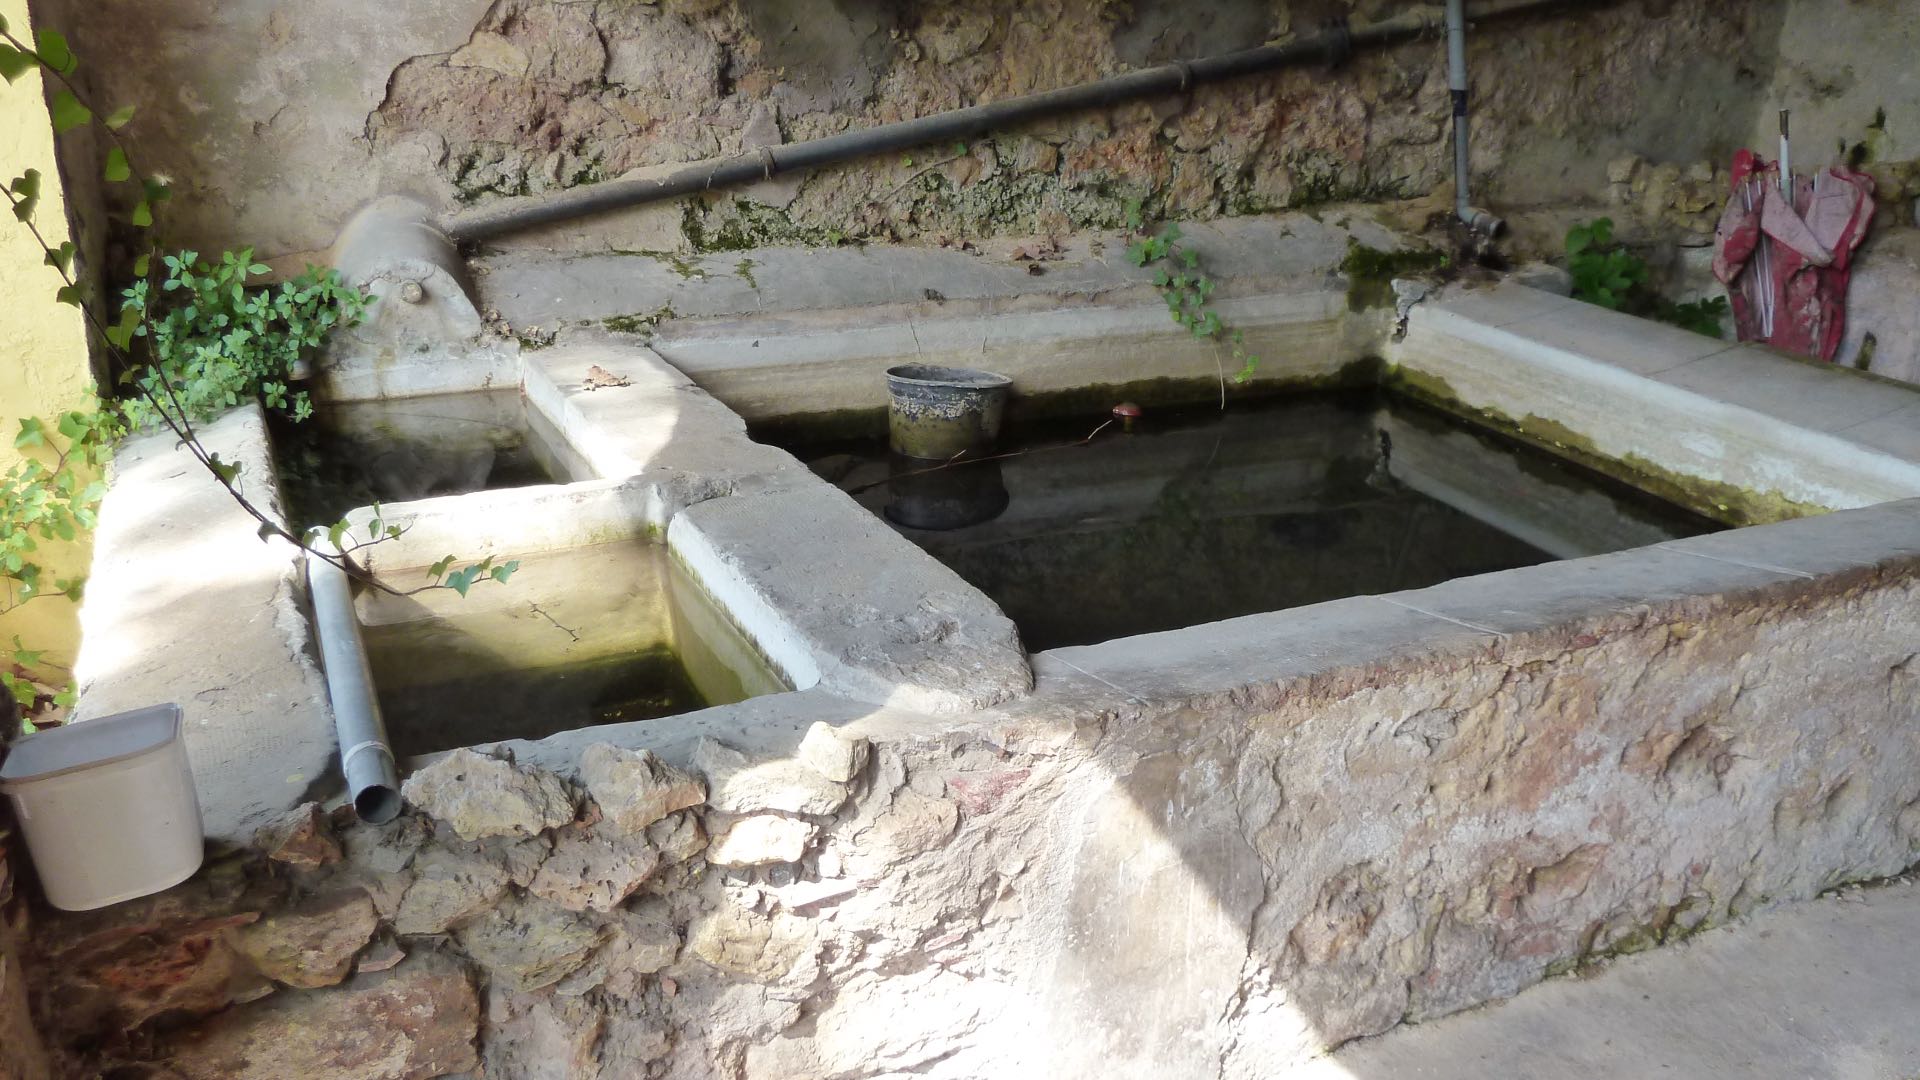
x: 1476, y: 220
x: 1786, y: 160
x: 366, y: 760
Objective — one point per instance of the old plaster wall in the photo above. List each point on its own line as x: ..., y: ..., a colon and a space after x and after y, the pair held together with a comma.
x: 278, y: 121
x: 1846, y: 71
x: 1174, y: 882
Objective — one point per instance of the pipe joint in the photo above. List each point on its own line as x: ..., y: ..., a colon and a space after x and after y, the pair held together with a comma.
x: 1339, y: 43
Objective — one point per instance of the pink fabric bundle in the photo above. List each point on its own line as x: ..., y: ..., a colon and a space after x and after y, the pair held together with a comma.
x: 1786, y: 264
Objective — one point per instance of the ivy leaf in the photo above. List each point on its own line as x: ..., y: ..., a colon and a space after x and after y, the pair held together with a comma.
x: 24, y: 656
x: 68, y: 113
x: 440, y: 568
x: 21, y: 689
x: 54, y: 52
x: 461, y: 580
x: 14, y: 63
x: 61, y: 258
x: 117, y: 167
x: 141, y: 265
x: 122, y: 335
x: 266, y: 531
x: 32, y: 433
x: 143, y: 215
x: 119, y: 118
x: 68, y: 294
x: 225, y: 470
x: 27, y: 186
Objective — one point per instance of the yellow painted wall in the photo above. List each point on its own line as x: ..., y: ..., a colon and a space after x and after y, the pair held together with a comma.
x: 43, y: 350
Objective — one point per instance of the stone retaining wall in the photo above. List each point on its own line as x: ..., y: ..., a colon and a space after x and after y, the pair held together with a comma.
x: 1205, y: 853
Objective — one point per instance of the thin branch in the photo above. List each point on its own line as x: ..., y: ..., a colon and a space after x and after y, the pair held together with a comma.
x: 177, y: 420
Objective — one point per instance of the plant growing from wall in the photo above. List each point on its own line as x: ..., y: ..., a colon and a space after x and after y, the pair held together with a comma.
x: 1606, y: 273
x: 52, y: 495
x: 218, y: 341
x: 1187, y: 288
x: 189, y: 341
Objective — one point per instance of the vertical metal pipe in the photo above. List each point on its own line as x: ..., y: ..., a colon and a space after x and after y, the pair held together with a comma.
x: 1479, y: 221
x: 366, y: 760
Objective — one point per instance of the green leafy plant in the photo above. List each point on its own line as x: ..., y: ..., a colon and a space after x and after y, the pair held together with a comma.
x: 52, y: 495
x: 216, y: 340
x: 188, y: 343
x: 1606, y: 273
x: 1706, y: 316
x: 1188, y: 290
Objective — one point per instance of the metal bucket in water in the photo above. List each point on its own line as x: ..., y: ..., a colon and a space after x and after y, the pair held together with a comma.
x: 940, y: 413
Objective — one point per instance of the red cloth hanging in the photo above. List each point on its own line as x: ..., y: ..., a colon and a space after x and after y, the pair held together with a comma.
x: 1786, y: 264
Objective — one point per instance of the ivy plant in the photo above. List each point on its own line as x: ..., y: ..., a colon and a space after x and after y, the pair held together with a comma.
x: 191, y: 338
x: 219, y: 341
x: 53, y: 494
x: 1186, y: 286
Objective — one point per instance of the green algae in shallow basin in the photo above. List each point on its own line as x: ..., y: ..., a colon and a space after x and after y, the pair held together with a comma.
x: 586, y: 636
x: 1723, y: 502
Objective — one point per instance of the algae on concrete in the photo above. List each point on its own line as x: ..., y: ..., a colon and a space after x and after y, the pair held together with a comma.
x: 1727, y: 503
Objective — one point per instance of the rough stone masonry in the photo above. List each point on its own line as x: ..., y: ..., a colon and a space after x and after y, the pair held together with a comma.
x: 1092, y: 883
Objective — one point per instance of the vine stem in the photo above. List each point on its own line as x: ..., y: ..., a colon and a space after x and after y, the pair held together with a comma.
x: 176, y: 420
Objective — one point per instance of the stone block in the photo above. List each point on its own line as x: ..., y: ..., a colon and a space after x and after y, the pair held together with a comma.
x: 635, y: 788
x: 591, y: 871
x: 300, y: 837
x: 761, y: 839
x: 313, y: 943
x: 738, y: 785
x: 480, y: 796
x: 417, y: 1020
x: 528, y: 944
x: 832, y: 753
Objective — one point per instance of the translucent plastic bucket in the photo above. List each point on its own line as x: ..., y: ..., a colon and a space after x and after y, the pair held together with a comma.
x: 107, y: 807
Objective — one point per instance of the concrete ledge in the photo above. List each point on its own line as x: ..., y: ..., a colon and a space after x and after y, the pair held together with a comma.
x: 555, y: 289
x: 1735, y: 431
x: 834, y: 596
x: 827, y: 362
x: 187, y: 604
x: 363, y: 372
x: 660, y: 423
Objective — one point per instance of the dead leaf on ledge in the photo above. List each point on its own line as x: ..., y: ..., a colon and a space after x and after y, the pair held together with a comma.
x: 600, y: 378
